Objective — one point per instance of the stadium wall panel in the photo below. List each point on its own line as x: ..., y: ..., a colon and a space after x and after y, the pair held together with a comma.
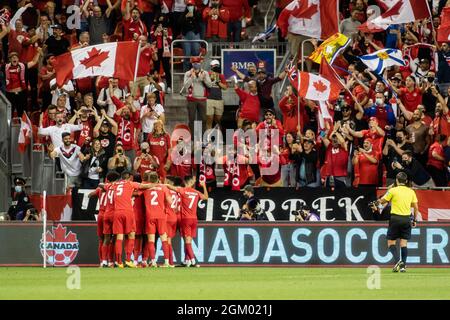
x: 262, y: 244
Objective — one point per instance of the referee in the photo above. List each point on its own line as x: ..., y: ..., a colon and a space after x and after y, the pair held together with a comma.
x: 402, y: 198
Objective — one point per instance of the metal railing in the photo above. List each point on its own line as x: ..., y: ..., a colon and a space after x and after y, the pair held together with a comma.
x: 5, y: 163
x: 173, y: 58
x: 266, y: 16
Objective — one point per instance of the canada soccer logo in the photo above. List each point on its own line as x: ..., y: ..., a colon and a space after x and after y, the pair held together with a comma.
x: 62, y: 247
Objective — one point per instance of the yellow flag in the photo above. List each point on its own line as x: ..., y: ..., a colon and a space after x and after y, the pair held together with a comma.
x: 330, y: 48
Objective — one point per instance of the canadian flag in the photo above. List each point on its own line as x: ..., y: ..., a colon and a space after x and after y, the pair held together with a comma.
x: 26, y: 132
x: 314, y: 18
x: 443, y: 32
x: 315, y: 87
x: 386, y: 4
x: 403, y: 11
x: 112, y: 59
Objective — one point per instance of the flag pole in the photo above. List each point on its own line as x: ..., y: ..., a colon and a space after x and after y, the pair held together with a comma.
x: 137, y: 66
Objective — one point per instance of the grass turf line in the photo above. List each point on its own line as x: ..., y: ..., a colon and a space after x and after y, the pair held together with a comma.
x: 224, y: 283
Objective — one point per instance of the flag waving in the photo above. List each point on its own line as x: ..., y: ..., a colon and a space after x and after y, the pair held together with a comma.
x: 312, y: 86
x: 112, y: 59
x: 381, y: 59
x: 26, y: 132
x: 403, y: 11
x: 314, y: 18
x: 443, y: 32
x: 330, y: 48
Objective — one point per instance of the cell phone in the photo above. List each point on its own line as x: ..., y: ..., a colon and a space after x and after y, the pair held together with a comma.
x: 322, y: 134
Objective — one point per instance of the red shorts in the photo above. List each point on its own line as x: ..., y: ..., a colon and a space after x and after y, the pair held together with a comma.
x: 108, y: 223
x: 171, y: 228
x: 189, y: 228
x: 156, y: 225
x: 123, y: 223
x: 100, y: 222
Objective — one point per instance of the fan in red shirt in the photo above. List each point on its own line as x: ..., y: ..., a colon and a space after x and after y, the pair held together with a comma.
x: 133, y: 26
x: 235, y: 168
x: 365, y: 163
x: 108, y: 217
x: 159, y: 141
x: 146, y: 161
x: 336, y: 160
x: 436, y: 165
x: 127, y: 118
x: 173, y: 214
x: 123, y: 221
x: 156, y: 200
x: 250, y: 105
x: 375, y: 134
x: 289, y: 108
x: 189, y: 203
x: 441, y: 121
x: 411, y: 96
x: 270, y: 167
x: 180, y: 161
x: 84, y: 116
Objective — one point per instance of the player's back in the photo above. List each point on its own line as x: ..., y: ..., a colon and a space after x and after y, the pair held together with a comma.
x: 109, y: 198
x: 101, y: 195
x: 189, y: 201
x: 155, y: 201
x: 123, y: 193
x: 172, y: 208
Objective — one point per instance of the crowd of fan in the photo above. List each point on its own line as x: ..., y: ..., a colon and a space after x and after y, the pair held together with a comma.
x: 399, y: 123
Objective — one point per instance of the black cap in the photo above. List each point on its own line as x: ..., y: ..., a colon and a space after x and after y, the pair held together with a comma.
x: 269, y: 111
x: 19, y: 180
x: 424, y: 60
x: 106, y: 123
x: 261, y: 70
x: 65, y: 134
x: 249, y: 188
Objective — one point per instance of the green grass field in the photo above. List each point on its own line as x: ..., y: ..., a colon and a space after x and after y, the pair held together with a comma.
x: 223, y: 283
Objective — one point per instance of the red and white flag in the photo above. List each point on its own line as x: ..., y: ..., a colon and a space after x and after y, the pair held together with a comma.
x: 443, y: 32
x: 328, y: 73
x: 386, y: 4
x: 403, y: 11
x: 26, y: 132
x: 314, y: 18
x: 312, y: 86
x: 112, y: 59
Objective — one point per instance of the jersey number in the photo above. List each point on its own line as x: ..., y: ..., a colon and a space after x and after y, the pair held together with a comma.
x: 154, y: 200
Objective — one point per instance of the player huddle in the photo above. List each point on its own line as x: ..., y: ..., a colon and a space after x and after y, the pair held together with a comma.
x: 132, y: 213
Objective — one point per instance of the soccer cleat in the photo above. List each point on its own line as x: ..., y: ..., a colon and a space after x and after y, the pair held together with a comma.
x: 103, y: 265
x: 144, y: 264
x: 154, y: 265
x: 397, y: 267
x: 171, y: 266
x: 129, y: 264
x: 402, y: 267
x: 187, y: 264
x: 110, y: 265
x: 119, y: 265
x: 165, y: 265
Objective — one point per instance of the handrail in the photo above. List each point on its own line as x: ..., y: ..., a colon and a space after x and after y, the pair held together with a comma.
x: 5, y: 152
x: 266, y: 16
x: 184, y: 57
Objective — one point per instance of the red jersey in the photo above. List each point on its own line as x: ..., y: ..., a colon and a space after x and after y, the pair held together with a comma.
x: 147, y: 165
x: 368, y: 170
x: 109, y: 200
x: 123, y: 192
x: 159, y: 146
x: 131, y: 27
x: 436, y: 147
x: 189, y: 200
x: 126, y: 130
x: 80, y: 136
x: 172, y: 209
x: 155, y: 202
x: 102, y: 199
x: 441, y: 125
x: 236, y: 172
x: 268, y: 163
x: 411, y: 99
x: 145, y: 62
x: 375, y: 138
x: 336, y: 161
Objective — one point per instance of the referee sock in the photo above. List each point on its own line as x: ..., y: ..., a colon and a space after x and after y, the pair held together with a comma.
x: 404, y: 252
x: 394, y: 251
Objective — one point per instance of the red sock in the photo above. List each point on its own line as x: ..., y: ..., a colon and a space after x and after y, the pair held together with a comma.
x: 165, y: 247
x: 190, y: 252
x: 151, y: 250
x: 137, y: 248
x: 118, y: 251
x: 100, y: 251
x: 145, y: 252
x: 186, y: 252
x: 111, y: 252
x: 105, y: 252
x: 170, y: 254
x: 129, y: 245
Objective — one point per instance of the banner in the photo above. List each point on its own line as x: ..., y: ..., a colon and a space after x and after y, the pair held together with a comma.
x: 239, y: 244
x: 241, y: 57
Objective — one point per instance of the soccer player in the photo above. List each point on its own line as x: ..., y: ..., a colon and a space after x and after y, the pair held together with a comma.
x: 189, y: 201
x: 123, y: 222
x: 156, y: 200
x: 101, y: 195
x: 139, y: 217
x: 108, y: 216
x: 402, y: 199
x: 172, y: 214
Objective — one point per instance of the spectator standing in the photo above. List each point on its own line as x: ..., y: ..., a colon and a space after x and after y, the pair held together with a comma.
x: 94, y: 166
x: 336, y: 160
x: 419, y: 137
x: 414, y: 169
x: 104, y: 100
x: 287, y: 164
x: 55, y: 132
x: 393, y: 151
x: 436, y: 165
x: 214, y: 103
x: 365, y: 162
x: 161, y: 34
x: 306, y: 158
x: 147, y: 57
x: 349, y: 26
x: 159, y: 141
x: 149, y: 114
x: 190, y: 29
x: 146, y: 161
x: 133, y: 26
x: 119, y: 162
x: 106, y: 131
x: 239, y: 10
x: 56, y: 43
x: 197, y: 82
x: 250, y: 103
x: 216, y: 17
x: 155, y: 85
x: 98, y: 23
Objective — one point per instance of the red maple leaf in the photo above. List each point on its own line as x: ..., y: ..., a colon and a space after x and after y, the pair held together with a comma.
x: 95, y: 59
x: 304, y: 11
x: 60, y: 235
x: 394, y: 11
x: 320, y: 86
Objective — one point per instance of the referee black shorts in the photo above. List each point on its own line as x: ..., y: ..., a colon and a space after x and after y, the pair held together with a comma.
x: 399, y: 227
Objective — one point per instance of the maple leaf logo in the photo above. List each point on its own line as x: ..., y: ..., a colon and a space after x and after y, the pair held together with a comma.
x: 320, y: 86
x: 304, y: 11
x: 95, y: 59
x: 394, y: 11
x: 61, y: 248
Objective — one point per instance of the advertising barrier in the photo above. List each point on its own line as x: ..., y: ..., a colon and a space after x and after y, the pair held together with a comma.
x: 239, y: 244
x: 241, y: 57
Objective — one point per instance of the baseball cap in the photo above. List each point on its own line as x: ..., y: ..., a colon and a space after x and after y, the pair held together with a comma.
x: 395, y: 78
x: 261, y: 70
x: 215, y: 63
x: 196, y: 60
x: 19, y: 180
x: 424, y: 60
x: 249, y: 188
x: 106, y: 123
x: 269, y: 111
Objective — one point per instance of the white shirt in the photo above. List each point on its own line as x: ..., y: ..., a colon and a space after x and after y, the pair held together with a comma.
x: 179, y: 6
x: 56, y: 132
x: 150, y: 88
x: 57, y: 92
x: 70, y: 165
x: 93, y: 174
x: 106, y: 101
x: 148, y: 122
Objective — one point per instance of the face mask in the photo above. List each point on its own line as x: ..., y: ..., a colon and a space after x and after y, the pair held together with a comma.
x: 18, y: 188
x: 190, y: 9
x: 216, y: 69
x: 196, y: 66
x: 379, y: 101
x: 215, y: 4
